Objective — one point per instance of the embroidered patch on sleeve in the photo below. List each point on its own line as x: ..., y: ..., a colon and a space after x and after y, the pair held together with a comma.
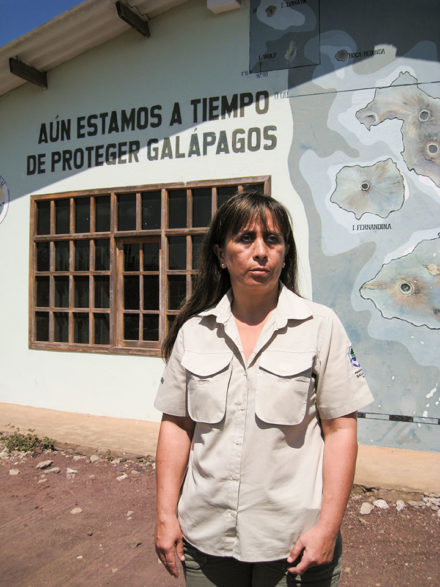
x: 355, y: 363
x: 352, y: 357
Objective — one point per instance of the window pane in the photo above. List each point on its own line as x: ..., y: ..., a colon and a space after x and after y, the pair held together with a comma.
x: 43, y: 256
x: 102, y: 254
x: 176, y: 291
x: 82, y: 215
x: 127, y: 212
x: 224, y: 193
x: 131, y: 257
x: 196, y: 249
x: 61, y: 323
x: 255, y: 187
x: 42, y: 291
x: 102, y: 328
x: 177, y: 252
x: 177, y: 209
x: 151, y: 292
x: 151, y: 256
x: 43, y: 218
x: 151, y: 210
x: 81, y: 292
x: 62, y: 216
x: 170, y: 321
x: 82, y: 255
x: 102, y: 292
x: 62, y: 256
x: 62, y: 292
x: 81, y: 328
x: 201, y: 206
x: 131, y: 293
x: 42, y: 325
x: 102, y: 211
x: 150, y: 328
x: 131, y: 326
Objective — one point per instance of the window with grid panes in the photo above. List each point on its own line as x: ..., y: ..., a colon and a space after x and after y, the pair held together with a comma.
x: 111, y: 268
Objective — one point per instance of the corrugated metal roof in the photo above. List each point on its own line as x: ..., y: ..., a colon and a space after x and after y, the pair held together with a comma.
x: 85, y: 26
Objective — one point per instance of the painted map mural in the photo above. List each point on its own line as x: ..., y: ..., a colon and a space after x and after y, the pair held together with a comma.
x: 365, y: 160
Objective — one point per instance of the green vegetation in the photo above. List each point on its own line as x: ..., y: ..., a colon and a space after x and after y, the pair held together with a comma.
x: 19, y: 441
x: 108, y: 455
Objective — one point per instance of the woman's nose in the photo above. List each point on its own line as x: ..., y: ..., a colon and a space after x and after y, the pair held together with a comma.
x: 260, y: 248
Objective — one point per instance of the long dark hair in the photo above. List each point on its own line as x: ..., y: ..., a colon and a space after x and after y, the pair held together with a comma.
x: 212, y: 282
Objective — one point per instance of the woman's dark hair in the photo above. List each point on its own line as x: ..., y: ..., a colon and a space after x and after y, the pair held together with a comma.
x: 212, y: 282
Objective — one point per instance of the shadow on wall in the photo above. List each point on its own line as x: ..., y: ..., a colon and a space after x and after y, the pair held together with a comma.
x: 61, y: 147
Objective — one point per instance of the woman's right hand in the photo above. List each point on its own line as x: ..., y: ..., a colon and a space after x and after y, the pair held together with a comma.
x: 169, y: 542
x: 173, y: 448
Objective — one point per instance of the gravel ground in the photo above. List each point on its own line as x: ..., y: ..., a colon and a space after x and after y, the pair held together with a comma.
x: 88, y: 520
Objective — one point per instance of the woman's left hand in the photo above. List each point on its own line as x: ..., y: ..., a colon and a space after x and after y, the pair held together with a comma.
x: 315, y: 547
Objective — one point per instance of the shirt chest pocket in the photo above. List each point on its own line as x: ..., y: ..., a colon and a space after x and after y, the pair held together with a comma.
x: 208, y: 377
x: 283, y: 384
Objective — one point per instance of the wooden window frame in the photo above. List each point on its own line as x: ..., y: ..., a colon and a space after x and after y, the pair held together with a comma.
x: 116, y: 238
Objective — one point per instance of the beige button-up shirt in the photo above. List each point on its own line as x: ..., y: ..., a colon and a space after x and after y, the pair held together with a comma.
x: 254, y: 479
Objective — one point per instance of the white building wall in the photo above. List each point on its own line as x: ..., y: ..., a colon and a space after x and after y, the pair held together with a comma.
x: 191, y: 54
x: 320, y: 116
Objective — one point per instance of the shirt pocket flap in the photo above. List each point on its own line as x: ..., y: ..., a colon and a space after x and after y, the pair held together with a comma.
x: 208, y: 377
x: 284, y: 380
x: 205, y: 364
x: 287, y: 364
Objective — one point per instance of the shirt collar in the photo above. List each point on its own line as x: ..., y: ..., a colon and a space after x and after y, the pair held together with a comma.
x: 222, y: 310
x: 289, y: 306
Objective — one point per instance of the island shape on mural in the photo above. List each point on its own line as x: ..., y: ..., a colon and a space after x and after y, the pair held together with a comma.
x: 283, y: 34
x: 420, y: 116
x: 377, y: 189
x: 408, y: 288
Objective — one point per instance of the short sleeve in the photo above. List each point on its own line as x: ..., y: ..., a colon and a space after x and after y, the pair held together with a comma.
x: 171, y: 395
x: 341, y: 385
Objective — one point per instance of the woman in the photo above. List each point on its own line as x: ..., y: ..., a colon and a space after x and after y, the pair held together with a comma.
x: 257, y: 446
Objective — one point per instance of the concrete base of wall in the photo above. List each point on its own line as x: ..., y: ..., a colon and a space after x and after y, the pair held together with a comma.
x: 376, y: 466
x: 85, y: 432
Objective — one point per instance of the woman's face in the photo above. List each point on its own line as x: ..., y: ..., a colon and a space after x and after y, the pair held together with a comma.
x: 254, y: 256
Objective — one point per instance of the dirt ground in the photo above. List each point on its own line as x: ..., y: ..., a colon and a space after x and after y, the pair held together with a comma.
x: 95, y: 527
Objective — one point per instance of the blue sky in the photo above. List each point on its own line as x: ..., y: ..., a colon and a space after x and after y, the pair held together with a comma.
x: 18, y: 17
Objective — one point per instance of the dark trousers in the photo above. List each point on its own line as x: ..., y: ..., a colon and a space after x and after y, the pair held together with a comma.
x: 205, y: 570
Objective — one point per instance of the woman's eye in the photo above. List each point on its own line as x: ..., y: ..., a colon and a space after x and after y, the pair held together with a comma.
x: 273, y: 239
x: 245, y: 238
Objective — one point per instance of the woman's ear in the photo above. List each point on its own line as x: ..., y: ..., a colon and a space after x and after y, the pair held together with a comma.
x: 220, y: 255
